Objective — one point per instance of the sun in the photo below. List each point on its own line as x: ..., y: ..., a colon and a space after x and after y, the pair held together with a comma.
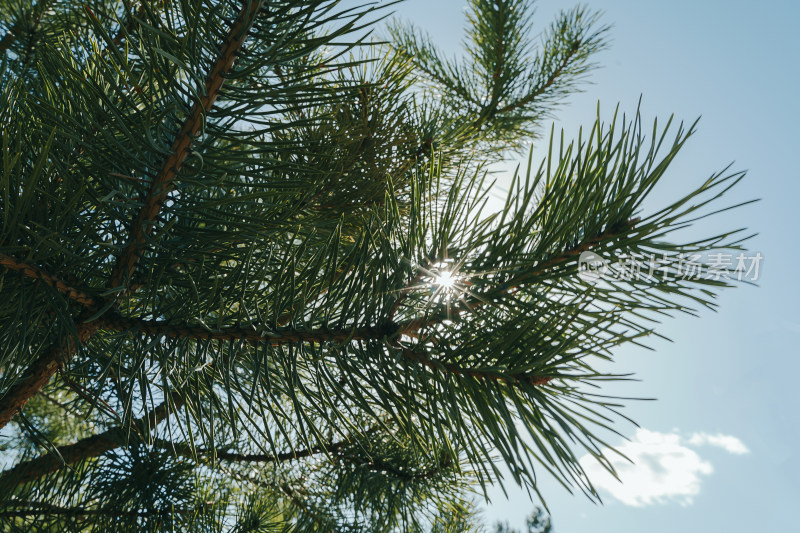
x: 445, y: 279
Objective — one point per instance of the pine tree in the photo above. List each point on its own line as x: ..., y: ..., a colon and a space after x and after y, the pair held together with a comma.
x: 537, y: 522
x: 250, y: 283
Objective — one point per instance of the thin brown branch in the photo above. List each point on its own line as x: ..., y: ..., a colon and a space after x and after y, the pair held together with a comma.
x: 186, y: 451
x: 281, y: 457
x: 32, y: 271
x: 401, y: 472
x: 39, y: 373
x: 87, y: 448
x: 47, y: 509
x: 163, y: 182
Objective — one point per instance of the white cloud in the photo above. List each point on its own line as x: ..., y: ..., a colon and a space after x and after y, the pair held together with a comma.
x: 663, y: 469
x: 728, y: 443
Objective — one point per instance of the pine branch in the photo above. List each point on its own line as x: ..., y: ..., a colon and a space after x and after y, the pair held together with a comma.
x: 38, y: 12
x: 15, y: 31
x: 615, y: 231
x: 328, y: 325
x: 469, y: 303
x: 128, y: 26
x: 279, y: 338
x: 39, y: 373
x: 92, y: 400
x: 47, y: 509
x: 417, y: 48
x: 297, y: 113
x: 500, y: 58
x: 32, y: 271
x: 87, y: 448
x: 529, y: 98
x: 406, y: 291
x: 186, y: 451
x: 162, y: 183
x: 42, y: 370
x: 119, y: 37
x: 57, y: 403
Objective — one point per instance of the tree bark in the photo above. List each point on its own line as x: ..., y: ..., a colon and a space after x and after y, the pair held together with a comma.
x: 87, y: 448
x: 39, y: 373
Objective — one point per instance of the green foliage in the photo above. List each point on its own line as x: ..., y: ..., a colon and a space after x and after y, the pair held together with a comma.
x: 537, y: 522
x: 506, y: 85
x: 250, y: 282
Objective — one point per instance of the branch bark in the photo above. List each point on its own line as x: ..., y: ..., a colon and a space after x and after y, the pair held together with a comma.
x: 186, y: 451
x: 39, y: 373
x: 32, y: 271
x: 163, y: 182
x: 47, y: 509
x: 87, y: 448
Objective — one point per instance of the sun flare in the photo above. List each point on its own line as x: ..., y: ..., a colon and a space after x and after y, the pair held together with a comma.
x: 445, y: 279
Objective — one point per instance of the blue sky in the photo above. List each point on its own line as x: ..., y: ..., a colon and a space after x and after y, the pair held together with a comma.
x: 732, y: 373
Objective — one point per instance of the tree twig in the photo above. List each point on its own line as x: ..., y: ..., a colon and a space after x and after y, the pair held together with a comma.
x: 546, y: 85
x: 186, y: 451
x: 46, y: 509
x: 163, y: 182
x: 35, y: 272
x: 39, y: 373
x: 87, y: 448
